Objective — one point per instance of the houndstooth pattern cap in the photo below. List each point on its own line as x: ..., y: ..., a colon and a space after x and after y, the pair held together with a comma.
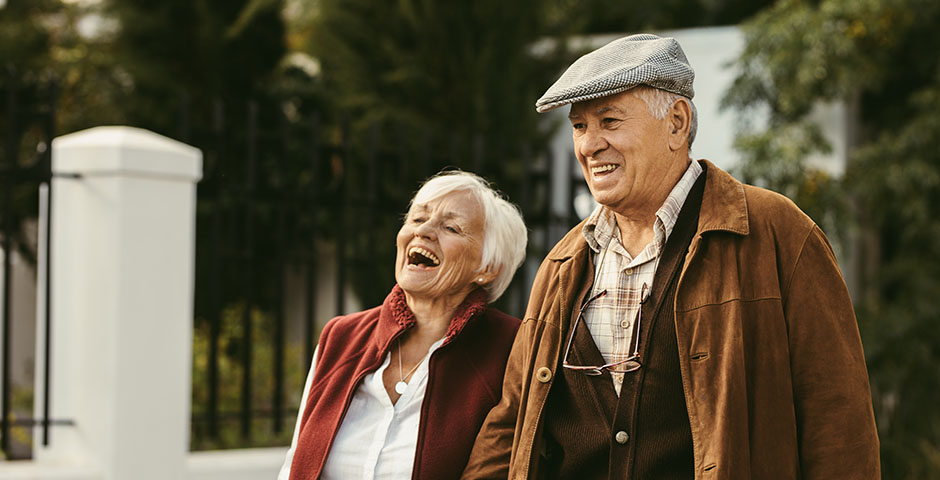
x: 642, y: 59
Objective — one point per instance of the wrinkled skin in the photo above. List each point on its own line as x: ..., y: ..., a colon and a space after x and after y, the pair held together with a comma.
x: 625, y: 153
x: 452, y: 229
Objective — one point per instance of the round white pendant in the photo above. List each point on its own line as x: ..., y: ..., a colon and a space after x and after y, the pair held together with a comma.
x: 400, y: 387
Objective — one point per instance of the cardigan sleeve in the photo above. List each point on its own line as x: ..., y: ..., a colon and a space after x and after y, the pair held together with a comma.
x: 284, y: 473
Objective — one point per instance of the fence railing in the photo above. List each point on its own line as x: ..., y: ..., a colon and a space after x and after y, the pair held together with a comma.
x: 23, y: 174
x: 295, y: 220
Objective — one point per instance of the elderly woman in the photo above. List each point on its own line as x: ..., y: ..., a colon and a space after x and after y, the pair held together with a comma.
x: 399, y: 391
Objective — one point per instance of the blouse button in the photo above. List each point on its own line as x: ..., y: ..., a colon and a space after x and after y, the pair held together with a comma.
x: 543, y: 375
x: 622, y: 437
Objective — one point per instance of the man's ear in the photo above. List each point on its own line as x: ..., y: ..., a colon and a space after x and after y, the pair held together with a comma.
x: 679, y: 119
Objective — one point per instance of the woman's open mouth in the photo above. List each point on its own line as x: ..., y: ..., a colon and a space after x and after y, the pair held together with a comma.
x: 422, y: 257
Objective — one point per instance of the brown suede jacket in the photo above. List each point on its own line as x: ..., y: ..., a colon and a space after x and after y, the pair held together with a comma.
x: 772, y: 365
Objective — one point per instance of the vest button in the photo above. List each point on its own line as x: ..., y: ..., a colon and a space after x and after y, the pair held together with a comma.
x: 543, y: 374
x: 622, y: 437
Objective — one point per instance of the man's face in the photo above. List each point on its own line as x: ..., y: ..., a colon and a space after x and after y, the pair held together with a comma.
x: 623, y: 152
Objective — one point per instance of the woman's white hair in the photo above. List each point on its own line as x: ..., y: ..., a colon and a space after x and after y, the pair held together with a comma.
x: 658, y: 103
x: 504, y: 231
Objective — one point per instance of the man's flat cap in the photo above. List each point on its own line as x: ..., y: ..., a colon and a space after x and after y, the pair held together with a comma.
x: 620, y: 65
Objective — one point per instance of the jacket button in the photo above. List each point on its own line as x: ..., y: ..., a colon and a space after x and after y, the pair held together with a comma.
x: 543, y: 374
x: 622, y: 437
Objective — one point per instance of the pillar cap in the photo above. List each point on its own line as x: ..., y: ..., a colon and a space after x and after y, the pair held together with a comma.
x: 120, y: 150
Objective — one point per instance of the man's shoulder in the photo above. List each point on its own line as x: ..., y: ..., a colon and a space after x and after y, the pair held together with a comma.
x: 769, y: 209
x: 571, y: 251
x: 761, y: 207
x: 570, y: 245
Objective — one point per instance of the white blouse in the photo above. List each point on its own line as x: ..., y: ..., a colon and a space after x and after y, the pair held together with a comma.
x: 377, y: 440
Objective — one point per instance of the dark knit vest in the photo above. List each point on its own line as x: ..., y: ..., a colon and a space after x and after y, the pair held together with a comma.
x: 584, y: 416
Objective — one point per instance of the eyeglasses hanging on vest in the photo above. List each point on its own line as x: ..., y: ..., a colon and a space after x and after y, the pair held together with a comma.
x: 631, y: 363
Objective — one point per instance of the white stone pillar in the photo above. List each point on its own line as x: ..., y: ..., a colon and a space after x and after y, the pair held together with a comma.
x: 123, y: 234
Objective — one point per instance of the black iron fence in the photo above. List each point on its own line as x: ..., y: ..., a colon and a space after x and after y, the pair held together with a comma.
x: 305, y: 223
x: 296, y: 218
x: 29, y: 117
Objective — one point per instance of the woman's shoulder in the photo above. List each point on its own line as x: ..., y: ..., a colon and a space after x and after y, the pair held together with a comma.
x: 351, y: 321
x: 501, y: 321
x: 488, y: 341
x: 500, y: 316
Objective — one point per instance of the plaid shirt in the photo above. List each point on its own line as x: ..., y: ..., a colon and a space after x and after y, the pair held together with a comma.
x: 611, y: 317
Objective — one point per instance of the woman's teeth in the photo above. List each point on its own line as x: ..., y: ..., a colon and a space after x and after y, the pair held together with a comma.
x: 415, y: 252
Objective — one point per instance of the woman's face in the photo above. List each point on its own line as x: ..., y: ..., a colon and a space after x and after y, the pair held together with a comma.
x: 440, y: 247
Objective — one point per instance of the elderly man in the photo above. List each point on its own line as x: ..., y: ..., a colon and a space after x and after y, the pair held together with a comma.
x: 691, y: 326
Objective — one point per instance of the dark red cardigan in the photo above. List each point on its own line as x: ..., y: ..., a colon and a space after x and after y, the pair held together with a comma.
x: 464, y: 381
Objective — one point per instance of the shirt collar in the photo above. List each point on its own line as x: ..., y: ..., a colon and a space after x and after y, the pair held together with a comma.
x: 724, y: 209
x: 601, y: 226
x: 668, y: 213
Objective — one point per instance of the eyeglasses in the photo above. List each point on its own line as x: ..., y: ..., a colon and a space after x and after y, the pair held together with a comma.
x: 631, y: 363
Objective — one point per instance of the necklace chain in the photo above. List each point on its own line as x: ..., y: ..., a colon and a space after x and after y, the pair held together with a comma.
x: 400, y: 376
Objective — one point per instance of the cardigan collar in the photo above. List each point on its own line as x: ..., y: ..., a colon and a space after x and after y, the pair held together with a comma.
x: 395, y: 316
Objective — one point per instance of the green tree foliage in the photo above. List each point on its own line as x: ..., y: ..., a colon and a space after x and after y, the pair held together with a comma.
x: 604, y: 16
x: 880, y: 57
x: 197, y: 51
x: 25, y: 50
x: 462, y: 67
x: 23, y: 39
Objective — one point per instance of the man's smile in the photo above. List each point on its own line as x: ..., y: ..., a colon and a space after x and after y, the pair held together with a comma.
x: 603, y: 169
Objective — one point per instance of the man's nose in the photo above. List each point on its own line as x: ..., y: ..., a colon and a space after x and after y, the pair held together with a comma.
x: 591, y: 142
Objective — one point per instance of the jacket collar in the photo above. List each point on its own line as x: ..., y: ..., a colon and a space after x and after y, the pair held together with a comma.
x: 724, y: 205
x: 395, y: 316
x: 724, y: 208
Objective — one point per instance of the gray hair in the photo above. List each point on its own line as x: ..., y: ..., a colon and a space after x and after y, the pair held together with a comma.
x: 504, y: 231
x: 658, y: 103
